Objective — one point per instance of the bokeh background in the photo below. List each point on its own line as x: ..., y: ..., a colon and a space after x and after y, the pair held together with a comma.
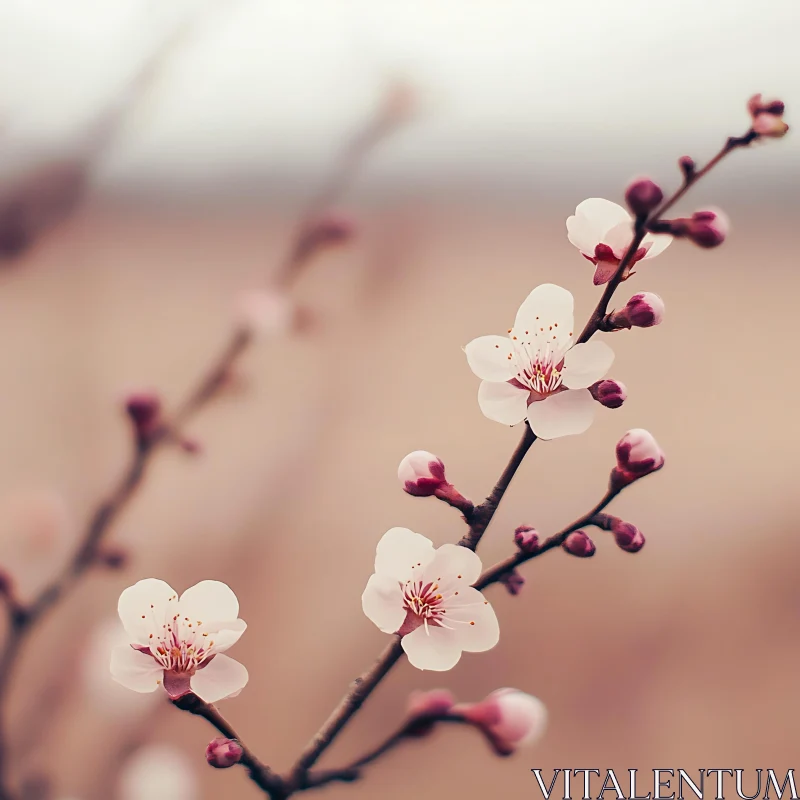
x: 190, y: 183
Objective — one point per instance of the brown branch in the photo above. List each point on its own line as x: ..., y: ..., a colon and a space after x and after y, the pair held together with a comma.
x: 260, y: 774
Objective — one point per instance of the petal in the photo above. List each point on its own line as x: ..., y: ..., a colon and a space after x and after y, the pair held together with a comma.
x: 619, y: 238
x: 382, y: 602
x: 401, y: 553
x: 604, y: 272
x: 221, y: 678
x: 454, y: 562
x: 142, y: 608
x: 503, y: 402
x: 432, y: 648
x: 488, y: 358
x: 582, y: 234
x: 658, y: 243
x: 473, y: 620
x: 562, y: 414
x: 601, y: 215
x: 546, y: 305
x: 586, y: 363
x: 135, y: 670
x: 209, y: 600
x: 225, y: 634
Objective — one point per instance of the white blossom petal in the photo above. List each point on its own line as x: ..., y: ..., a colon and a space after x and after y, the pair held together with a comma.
x: 656, y: 244
x: 582, y: 234
x: 488, y: 358
x: 562, y: 414
x: 221, y: 678
x: 141, y: 605
x: 454, y: 560
x: 209, y: 600
x: 135, y: 670
x: 401, y: 554
x: 503, y: 402
x: 225, y: 634
x: 547, y: 305
x: 619, y: 238
x: 474, y: 621
x: 382, y: 602
x: 602, y: 215
x: 432, y: 648
x: 586, y: 363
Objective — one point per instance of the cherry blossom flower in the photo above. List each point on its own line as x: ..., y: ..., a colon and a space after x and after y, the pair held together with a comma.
x: 179, y: 641
x: 603, y: 230
x: 426, y: 596
x: 538, y: 371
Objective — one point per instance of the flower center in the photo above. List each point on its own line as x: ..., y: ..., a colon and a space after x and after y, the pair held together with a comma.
x: 424, y: 601
x: 539, y: 367
x: 179, y: 644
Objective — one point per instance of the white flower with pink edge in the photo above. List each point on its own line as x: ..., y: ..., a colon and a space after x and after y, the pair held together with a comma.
x: 537, y: 371
x: 178, y: 642
x: 603, y: 231
x: 426, y: 596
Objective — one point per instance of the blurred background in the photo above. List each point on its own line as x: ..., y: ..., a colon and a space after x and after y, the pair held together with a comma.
x: 155, y: 160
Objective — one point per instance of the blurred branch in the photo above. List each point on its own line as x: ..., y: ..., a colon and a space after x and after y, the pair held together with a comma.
x: 22, y: 620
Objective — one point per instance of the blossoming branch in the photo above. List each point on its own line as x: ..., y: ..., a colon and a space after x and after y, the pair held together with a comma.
x: 543, y: 375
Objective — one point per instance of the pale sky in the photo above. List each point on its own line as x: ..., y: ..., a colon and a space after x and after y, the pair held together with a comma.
x: 505, y: 85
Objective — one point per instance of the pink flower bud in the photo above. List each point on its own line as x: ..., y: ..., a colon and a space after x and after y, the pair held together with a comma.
x: 767, y: 117
x: 526, y: 539
x: 508, y: 718
x: 579, y: 544
x: 264, y: 313
x: 638, y: 454
x: 425, y: 709
x: 643, y: 196
x: 513, y: 582
x: 223, y: 753
x: 707, y: 228
x: 627, y: 536
x: 644, y: 310
x: 144, y: 410
x: 421, y: 473
x: 687, y: 166
x: 608, y: 393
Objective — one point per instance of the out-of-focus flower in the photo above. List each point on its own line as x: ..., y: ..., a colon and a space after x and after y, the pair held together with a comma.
x: 158, y: 772
x: 611, y: 394
x: 526, y: 539
x: 222, y: 753
x: 538, y: 371
x: 37, y: 530
x: 426, y: 596
x: 264, y: 313
x: 602, y: 231
x: 180, y: 642
x: 430, y: 704
x: 508, y: 717
x: 421, y: 473
x: 767, y: 116
x: 579, y: 544
x: 638, y: 454
x: 643, y: 196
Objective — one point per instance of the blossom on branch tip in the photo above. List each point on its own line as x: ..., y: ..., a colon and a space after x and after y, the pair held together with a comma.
x: 579, y: 544
x: 526, y: 539
x: 767, y: 116
x: 602, y: 231
x: 537, y: 371
x: 509, y: 719
x: 638, y: 454
x: 179, y: 642
x: 264, y: 313
x: 421, y: 473
x: 643, y: 196
x: 426, y: 596
x: 611, y: 394
x: 222, y: 753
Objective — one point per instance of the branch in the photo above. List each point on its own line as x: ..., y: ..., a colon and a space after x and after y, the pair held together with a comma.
x: 260, y: 774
